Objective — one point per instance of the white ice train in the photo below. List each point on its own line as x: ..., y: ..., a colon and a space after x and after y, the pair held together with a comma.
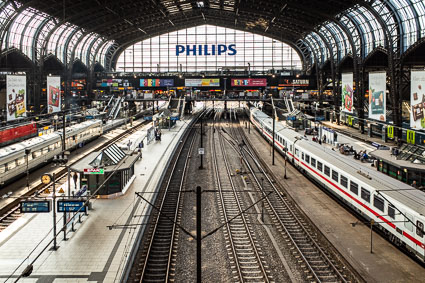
x: 396, y: 207
x: 13, y: 161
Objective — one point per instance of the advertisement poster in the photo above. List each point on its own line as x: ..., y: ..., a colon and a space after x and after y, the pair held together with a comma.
x: 417, y: 100
x: 53, y: 94
x: 347, y: 92
x: 16, y: 100
x: 377, y: 99
x: 156, y: 82
x: 202, y: 82
x: 249, y: 82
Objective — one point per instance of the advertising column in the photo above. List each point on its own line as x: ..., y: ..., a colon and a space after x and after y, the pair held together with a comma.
x: 54, y: 94
x: 377, y: 93
x: 16, y: 100
x: 417, y: 100
x: 347, y: 92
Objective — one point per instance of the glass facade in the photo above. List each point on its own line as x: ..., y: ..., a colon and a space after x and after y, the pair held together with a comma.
x: 29, y: 29
x: 159, y: 54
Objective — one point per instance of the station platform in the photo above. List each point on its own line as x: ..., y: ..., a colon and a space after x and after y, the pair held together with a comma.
x: 34, y: 177
x: 356, y: 134
x: 385, y: 264
x: 99, y: 248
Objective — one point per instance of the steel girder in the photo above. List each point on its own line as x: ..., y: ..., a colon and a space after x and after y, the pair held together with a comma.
x: 393, y: 61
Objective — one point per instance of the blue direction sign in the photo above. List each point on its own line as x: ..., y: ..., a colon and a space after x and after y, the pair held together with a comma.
x: 175, y: 118
x: 35, y: 206
x: 71, y: 206
x: 148, y: 118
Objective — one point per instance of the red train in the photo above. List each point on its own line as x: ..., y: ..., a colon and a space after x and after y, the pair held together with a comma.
x: 13, y: 134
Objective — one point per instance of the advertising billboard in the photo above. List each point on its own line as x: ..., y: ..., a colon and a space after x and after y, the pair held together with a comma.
x: 16, y: 97
x: 202, y: 82
x: 249, y: 82
x: 347, y: 92
x: 377, y: 99
x: 156, y: 82
x: 53, y: 94
x: 417, y: 100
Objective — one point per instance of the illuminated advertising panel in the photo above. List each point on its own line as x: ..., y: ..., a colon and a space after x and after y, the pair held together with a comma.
x: 156, y: 82
x: 54, y: 94
x: 16, y: 97
x: 202, y: 82
x: 417, y: 100
x: 347, y: 92
x: 249, y: 82
x: 377, y: 91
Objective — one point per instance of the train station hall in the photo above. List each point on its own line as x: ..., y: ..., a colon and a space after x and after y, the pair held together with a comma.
x: 212, y: 141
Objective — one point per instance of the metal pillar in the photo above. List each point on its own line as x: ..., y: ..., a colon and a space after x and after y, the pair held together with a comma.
x: 274, y: 122
x: 55, y: 247
x: 202, y: 146
x: 198, y: 235
x: 371, y: 233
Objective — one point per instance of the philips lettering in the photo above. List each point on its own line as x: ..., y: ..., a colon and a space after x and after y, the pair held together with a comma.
x: 206, y: 50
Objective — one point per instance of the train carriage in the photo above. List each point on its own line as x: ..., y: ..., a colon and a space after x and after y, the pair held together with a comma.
x: 396, y: 208
x: 13, y: 161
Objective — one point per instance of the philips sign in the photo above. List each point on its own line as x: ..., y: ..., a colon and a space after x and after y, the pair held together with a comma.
x: 206, y: 50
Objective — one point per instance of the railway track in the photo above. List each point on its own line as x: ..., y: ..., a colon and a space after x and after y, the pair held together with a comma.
x: 10, y: 212
x: 320, y: 264
x: 243, y: 246
x: 154, y: 259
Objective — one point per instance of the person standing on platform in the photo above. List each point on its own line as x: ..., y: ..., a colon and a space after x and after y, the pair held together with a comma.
x: 140, y: 149
x: 75, y: 177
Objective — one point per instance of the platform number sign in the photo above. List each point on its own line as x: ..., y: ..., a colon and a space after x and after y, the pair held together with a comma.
x: 350, y: 120
x: 410, y: 136
x: 390, y: 132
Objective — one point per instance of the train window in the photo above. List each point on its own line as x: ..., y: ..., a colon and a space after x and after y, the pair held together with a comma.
x: 45, y: 150
x: 327, y: 171
x: 344, y: 181
x: 302, y: 155
x: 291, y: 147
x: 365, y: 194
x: 419, y: 228
x: 36, y: 153
x: 20, y: 161
x: 2, y: 169
x: 11, y: 165
x: 307, y: 158
x: 378, y: 203
x: 354, y: 188
x: 391, y: 211
x: 408, y: 222
x: 319, y: 166
x: 51, y: 147
x: 313, y: 162
x: 335, y: 175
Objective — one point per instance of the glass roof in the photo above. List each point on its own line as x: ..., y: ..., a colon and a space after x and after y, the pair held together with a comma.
x: 30, y: 29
